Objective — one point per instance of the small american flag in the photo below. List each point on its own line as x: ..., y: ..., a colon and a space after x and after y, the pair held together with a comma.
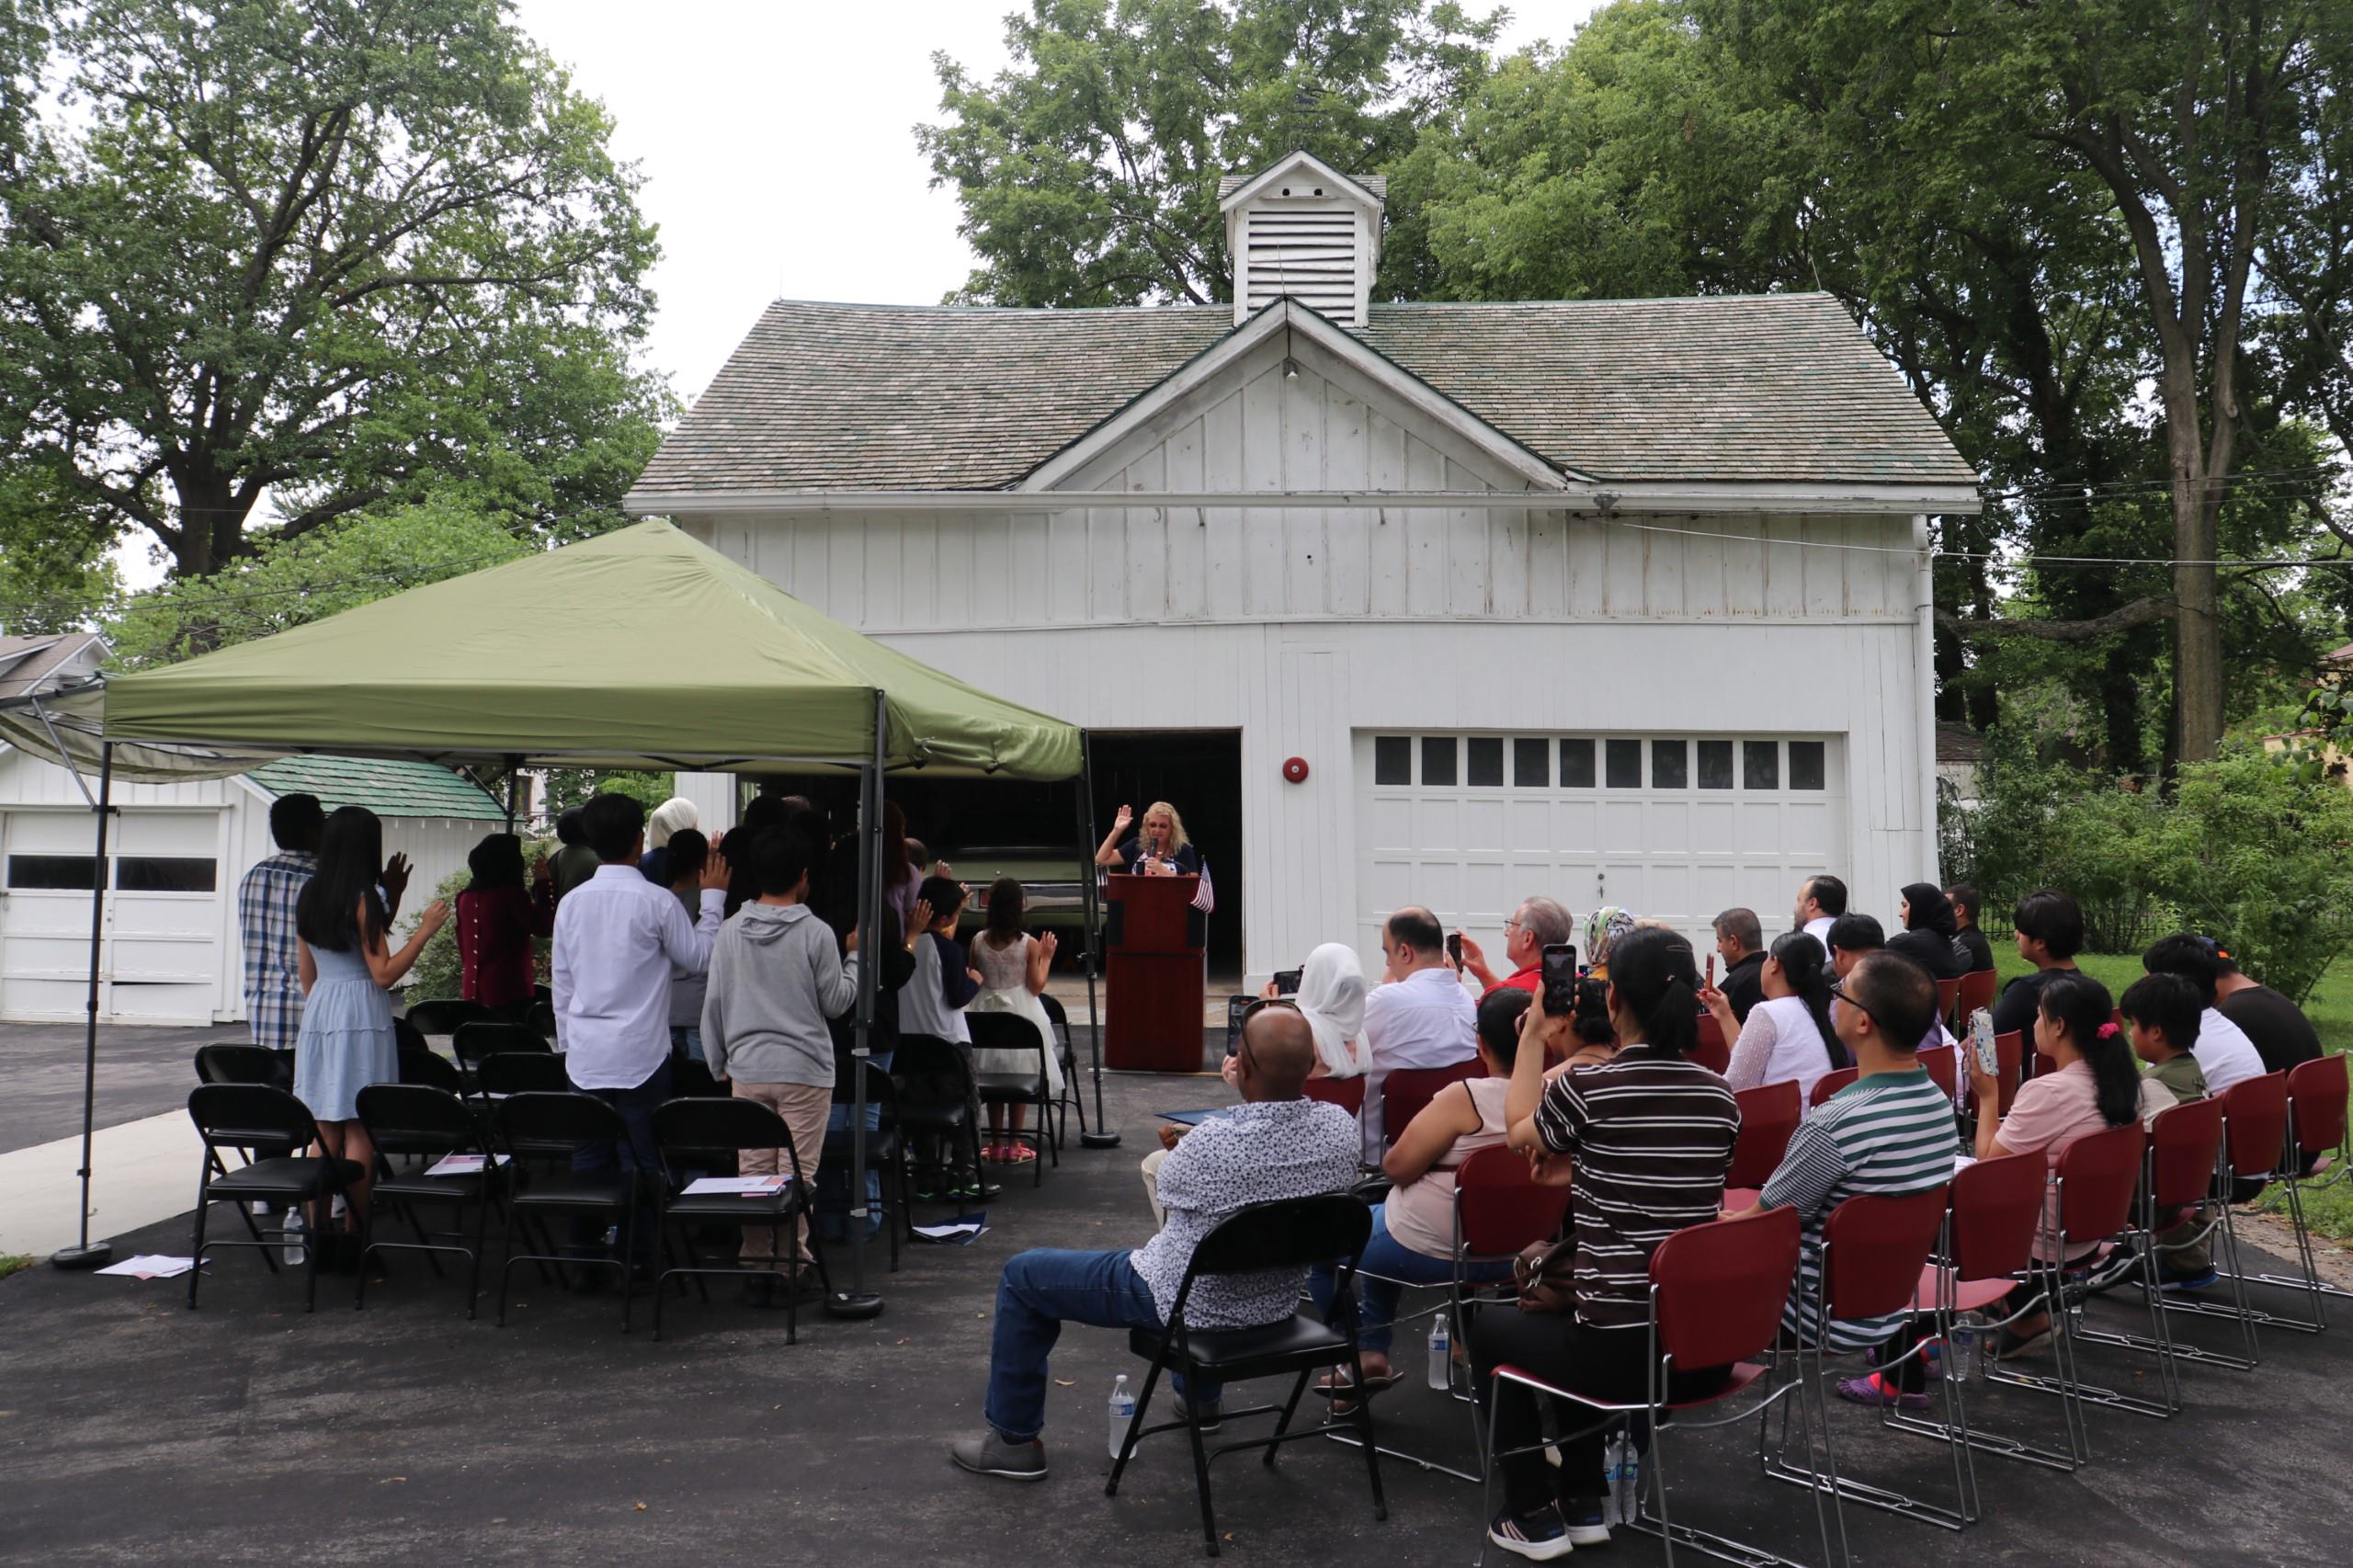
x: 1205, y: 896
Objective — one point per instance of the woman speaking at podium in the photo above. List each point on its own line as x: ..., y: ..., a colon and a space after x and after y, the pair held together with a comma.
x: 1161, y: 850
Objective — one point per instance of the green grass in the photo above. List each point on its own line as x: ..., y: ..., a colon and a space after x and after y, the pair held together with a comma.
x: 12, y: 1261
x: 2328, y: 1211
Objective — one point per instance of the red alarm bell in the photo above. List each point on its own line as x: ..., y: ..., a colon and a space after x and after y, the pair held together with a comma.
x: 1295, y: 769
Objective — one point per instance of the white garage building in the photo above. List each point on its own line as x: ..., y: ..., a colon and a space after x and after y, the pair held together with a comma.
x: 1625, y: 601
x: 169, y: 951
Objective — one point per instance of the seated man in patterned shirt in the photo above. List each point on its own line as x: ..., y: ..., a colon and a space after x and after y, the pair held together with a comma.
x: 1275, y: 1144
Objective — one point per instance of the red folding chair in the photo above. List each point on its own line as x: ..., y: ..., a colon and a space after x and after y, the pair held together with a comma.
x: 2184, y: 1157
x: 1499, y: 1211
x: 1995, y: 1212
x: 1405, y: 1091
x: 1873, y: 1248
x: 2097, y: 1178
x: 1713, y: 1052
x: 2009, y: 1053
x: 1769, y: 1118
x: 2316, y: 1158
x: 1942, y: 1069
x: 1830, y: 1083
x: 1346, y: 1093
x: 1949, y: 1002
x: 2255, y: 1148
x: 1716, y: 1296
x: 1977, y: 989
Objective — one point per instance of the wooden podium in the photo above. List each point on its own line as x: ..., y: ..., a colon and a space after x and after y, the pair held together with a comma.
x: 1156, y: 966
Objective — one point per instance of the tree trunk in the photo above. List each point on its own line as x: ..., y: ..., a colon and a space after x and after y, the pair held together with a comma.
x: 213, y: 521
x: 2198, y: 626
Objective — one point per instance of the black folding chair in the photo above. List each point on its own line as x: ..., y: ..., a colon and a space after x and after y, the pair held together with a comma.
x: 550, y: 1129
x: 1004, y: 1031
x: 1071, y: 1099
x: 691, y: 1079
x: 938, y: 1105
x: 692, y: 1134
x: 445, y: 1014
x: 428, y: 1069
x: 886, y: 1149
x: 541, y: 1018
x: 422, y: 1126
x: 237, y: 1062
x: 503, y: 1073
x: 1288, y: 1233
x: 256, y: 1117
x: 475, y: 1041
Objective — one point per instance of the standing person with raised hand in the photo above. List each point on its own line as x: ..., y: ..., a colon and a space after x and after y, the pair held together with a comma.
x: 347, y: 971
x: 1159, y: 849
x: 618, y: 938
x: 498, y: 920
x: 1643, y: 1141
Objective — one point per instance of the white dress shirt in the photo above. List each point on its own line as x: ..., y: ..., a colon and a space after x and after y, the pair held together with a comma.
x: 1819, y: 929
x: 1427, y: 1019
x: 617, y: 938
x: 2224, y: 1053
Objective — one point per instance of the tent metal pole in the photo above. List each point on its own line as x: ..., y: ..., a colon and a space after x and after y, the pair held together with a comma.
x: 1089, y: 881
x: 858, y: 1301
x: 513, y: 789
x: 88, y: 1254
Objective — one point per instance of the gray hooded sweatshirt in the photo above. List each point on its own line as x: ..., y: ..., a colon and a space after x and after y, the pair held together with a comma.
x: 776, y: 977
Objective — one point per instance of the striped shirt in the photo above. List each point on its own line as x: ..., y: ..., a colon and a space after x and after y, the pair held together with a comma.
x: 266, y: 901
x: 1890, y: 1133
x: 1651, y: 1137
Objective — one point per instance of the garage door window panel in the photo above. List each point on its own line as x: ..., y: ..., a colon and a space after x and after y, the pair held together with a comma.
x: 49, y: 873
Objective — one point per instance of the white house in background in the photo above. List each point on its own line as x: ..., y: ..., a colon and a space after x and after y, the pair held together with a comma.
x: 175, y: 855
x: 1624, y: 601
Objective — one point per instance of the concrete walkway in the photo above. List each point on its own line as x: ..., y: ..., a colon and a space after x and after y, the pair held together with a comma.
x: 141, y: 1172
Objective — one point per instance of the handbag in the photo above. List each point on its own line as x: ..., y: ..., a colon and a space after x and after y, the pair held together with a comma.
x: 1544, y: 1274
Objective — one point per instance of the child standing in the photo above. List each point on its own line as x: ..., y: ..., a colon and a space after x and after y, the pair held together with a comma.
x: 2164, y: 1011
x: 933, y: 1003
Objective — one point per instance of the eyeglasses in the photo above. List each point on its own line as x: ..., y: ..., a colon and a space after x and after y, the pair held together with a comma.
x: 1839, y: 991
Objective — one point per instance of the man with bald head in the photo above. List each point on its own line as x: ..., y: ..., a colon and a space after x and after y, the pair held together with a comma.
x: 1418, y: 1016
x: 1275, y: 1144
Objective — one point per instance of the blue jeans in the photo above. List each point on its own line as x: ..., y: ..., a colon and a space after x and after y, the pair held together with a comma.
x: 1377, y: 1298
x: 833, y: 1178
x: 634, y: 1152
x: 1040, y: 1291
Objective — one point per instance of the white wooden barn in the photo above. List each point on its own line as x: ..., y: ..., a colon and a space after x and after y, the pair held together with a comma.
x: 170, y: 953
x: 1622, y: 601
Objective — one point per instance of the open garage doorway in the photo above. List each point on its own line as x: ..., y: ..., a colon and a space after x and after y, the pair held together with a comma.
x: 1199, y: 773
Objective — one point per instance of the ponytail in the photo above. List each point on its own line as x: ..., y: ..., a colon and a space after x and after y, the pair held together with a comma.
x: 1657, y: 980
x: 2079, y: 1005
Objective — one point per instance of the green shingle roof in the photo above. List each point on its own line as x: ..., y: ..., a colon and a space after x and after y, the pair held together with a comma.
x: 386, y: 786
x: 1776, y: 388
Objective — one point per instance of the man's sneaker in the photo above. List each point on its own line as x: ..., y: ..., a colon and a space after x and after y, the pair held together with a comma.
x: 989, y: 1454
x: 1582, y: 1523
x: 1539, y: 1536
x: 1209, y: 1417
x: 2114, y: 1270
x: 2170, y: 1280
x: 2011, y: 1346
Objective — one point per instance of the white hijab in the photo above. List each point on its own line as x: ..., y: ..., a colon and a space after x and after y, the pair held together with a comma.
x: 1331, y: 994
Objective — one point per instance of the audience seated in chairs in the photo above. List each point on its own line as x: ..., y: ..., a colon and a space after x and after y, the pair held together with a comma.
x: 2091, y: 1085
x: 1331, y: 997
x: 2224, y: 1053
x: 1537, y: 923
x: 2161, y: 1016
x: 1928, y: 931
x: 1644, y: 1141
x: 1740, y: 942
x: 1789, y: 1037
x: 1969, y: 944
x: 777, y: 975
x: 1890, y: 1133
x: 1276, y: 1144
x: 1413, y: 1229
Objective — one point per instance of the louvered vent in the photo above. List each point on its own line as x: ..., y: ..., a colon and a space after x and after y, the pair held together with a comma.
x: 1308, y: 250
x: 1302, y: 229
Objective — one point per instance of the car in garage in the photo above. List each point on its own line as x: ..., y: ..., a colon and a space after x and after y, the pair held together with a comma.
x: 1052, y: 894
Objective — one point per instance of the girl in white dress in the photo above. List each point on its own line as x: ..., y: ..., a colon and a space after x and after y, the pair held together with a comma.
x: 1013, y: 966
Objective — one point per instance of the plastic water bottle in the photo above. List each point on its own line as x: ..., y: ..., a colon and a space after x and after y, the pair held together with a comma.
x: 1626, y: 1491
x: 1441, y: 1370
x: 293, y: 1228
x: 1615, y: 1456
x: 1123, y: 1412
x: 1962, y: 1349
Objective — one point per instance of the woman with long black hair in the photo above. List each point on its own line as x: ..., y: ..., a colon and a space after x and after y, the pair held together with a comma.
x: 2093, y: 1083
x: 1789, y: 1037
x: 347, y: 971
x: 1643, y: 1141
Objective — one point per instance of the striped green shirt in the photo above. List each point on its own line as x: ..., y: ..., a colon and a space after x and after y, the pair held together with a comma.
x: 1889, y: 1134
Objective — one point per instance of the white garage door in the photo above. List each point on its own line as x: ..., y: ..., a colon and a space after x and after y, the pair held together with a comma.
x: 162, y: 957
x: 1673, y: 828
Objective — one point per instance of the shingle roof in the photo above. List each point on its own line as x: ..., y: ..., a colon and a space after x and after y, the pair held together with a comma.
x: 26, y: 662
x: 388, y: 787
x: 1781, y: 388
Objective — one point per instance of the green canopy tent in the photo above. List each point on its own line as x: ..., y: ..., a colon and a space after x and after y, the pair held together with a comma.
x: 638, y: 649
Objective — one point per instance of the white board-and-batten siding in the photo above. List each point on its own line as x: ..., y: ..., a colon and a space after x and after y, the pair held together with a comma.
x: 1305, y: 628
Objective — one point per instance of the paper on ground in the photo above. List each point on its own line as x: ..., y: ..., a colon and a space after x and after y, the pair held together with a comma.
x: 152, y: 1266
x: 962, y: 1230
x: 741, y: 1187
x: 460, y: 1165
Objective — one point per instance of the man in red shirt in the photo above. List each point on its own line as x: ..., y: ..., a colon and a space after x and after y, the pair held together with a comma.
x: 1537, y: 922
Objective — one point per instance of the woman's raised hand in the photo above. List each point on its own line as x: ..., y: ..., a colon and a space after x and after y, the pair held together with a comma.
x: 1120, y: 823
x: 436, y: 915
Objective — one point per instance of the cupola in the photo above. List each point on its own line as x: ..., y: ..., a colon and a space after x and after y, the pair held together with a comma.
x: 1301, y: 228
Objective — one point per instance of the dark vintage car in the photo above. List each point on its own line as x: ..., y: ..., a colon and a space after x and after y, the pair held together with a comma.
x: 1051, y: 892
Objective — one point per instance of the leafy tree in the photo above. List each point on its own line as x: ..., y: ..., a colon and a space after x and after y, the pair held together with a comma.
x: 53, y: 570
x: 340, y: 254
x: 286, y: 583
x: 1088, y: 171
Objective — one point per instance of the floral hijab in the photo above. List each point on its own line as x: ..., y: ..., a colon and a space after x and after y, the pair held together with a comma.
x: 1602, y: 929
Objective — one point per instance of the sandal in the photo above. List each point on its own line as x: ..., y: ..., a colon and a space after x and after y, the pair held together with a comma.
x: 1877, y: 1390
x: 1017, y: 1154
